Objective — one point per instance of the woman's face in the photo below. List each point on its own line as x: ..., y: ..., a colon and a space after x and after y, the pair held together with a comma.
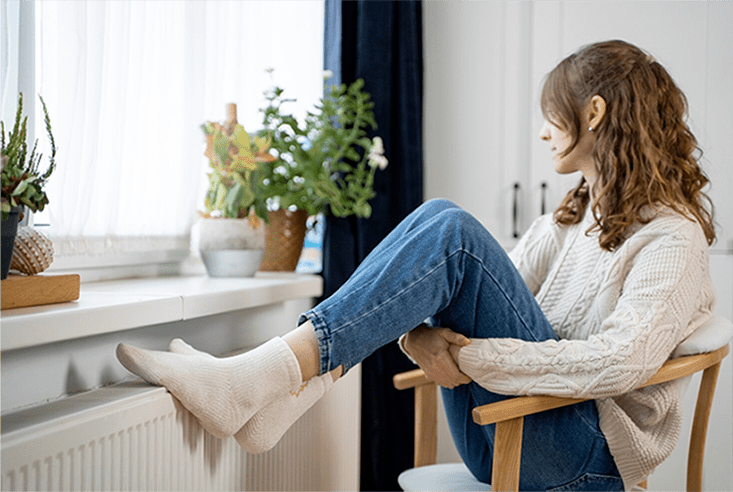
x: 579, y: 159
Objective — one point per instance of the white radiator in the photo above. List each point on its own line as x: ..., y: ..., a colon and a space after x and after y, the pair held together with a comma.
x: 134, y: 437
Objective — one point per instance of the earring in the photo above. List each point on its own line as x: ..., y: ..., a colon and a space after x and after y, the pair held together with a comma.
x: 590, y: 129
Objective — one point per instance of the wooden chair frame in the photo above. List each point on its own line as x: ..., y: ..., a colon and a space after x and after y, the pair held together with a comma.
x: 508, y: 415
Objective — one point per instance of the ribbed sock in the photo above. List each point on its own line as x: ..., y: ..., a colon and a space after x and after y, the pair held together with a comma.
x: 265, y: 429
x: 223, y: 394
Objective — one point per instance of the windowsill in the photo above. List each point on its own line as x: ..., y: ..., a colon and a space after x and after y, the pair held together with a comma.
x: 112, y: 306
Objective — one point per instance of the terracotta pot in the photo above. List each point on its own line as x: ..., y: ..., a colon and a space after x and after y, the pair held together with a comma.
x: 284, y: 237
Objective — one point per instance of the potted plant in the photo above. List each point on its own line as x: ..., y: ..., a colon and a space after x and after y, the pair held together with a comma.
x: 325, y: 164
x: 231, y: 234
x: 21, y: 179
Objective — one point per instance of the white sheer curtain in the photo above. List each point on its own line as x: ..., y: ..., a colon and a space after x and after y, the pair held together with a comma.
x: 9, y: 24
x: 127, y: 84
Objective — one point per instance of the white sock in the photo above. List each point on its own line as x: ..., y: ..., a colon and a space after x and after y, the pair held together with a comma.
x: 178, y: 346
x: 265, y: 429
x: 223, y: 394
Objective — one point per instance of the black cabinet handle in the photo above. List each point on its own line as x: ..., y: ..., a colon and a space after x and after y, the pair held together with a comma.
x: 543, y: 187
x: 515, y: 211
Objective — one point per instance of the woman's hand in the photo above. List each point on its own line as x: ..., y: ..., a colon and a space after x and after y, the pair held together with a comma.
x: 433, y: 349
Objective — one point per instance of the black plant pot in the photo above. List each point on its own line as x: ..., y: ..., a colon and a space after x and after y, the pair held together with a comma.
x: 9, y: 231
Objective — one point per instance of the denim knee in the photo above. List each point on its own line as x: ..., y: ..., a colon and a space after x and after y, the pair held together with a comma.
x: 435, y: 206
x: 462, y: 223
x: 449, y: 214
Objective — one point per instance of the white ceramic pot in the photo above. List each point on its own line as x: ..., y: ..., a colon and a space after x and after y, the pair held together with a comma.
x: 230, y: 247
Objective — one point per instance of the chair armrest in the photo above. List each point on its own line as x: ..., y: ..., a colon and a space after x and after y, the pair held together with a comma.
x: 519, y: 406
x: 526, y: 405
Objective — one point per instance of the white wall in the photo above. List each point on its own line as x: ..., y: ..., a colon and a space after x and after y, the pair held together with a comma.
x: 484, y: 64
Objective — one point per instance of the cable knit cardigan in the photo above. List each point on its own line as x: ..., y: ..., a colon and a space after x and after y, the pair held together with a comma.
x: 619, y: 316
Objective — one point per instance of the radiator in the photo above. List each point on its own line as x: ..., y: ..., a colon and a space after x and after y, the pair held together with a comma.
x: 134, y: 437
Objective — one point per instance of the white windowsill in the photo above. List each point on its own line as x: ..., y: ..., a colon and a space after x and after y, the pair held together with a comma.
x: 112, y: 306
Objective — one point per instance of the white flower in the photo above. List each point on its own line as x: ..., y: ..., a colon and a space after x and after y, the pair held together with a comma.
x: 376, y: 154
x: 327, y: 74
x: 379, y: 161
x: 378, y: 145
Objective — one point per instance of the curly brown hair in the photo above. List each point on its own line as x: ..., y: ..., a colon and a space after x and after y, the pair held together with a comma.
x: 645, y: 152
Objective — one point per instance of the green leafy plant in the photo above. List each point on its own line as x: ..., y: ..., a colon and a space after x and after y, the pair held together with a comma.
x: 20, y: 178
x: 327, y: 163
x: 234, y: 184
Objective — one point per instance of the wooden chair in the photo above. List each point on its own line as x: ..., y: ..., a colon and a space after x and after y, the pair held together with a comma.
x: 710, y: 343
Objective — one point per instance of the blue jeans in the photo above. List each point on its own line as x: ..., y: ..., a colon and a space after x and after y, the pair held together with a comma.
x: 440, y: 262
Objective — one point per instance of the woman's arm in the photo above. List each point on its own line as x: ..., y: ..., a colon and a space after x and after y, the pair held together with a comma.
x: 666, y: 291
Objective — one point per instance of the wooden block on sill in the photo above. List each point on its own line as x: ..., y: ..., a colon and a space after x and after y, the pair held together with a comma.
x: 37, y: 290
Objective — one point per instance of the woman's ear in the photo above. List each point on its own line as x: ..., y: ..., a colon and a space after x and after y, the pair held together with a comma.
x: 596, y: 111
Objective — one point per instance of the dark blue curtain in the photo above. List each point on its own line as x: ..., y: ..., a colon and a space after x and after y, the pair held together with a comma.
x: 380, y: 42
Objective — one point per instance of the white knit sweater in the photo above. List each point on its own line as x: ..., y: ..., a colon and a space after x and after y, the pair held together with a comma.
x: 619, y: 316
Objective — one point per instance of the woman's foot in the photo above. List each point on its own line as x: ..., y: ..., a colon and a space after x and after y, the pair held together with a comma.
x: 223, y: 394
x: 265, y: 429
x: 178, y: 346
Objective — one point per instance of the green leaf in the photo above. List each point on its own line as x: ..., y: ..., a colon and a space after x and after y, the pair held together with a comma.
x: 25, y: 201
x: 221, y: 196
x: 365, y: 211
x: 221, y: 147
x: 207, y: 128
x: 233, y: 198
x: 365, y: 142
x: 247, y: 198
x: 20, y: 188
x: 352, y: 154
x: 261, y: 211
x: 240, y: 138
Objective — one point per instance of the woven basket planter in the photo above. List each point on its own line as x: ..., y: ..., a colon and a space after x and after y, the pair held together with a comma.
x: 284, y: 237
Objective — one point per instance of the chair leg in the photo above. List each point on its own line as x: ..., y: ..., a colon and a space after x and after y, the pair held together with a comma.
x: 426, y: 425
x: 507, y: 455
x: 700, y: 427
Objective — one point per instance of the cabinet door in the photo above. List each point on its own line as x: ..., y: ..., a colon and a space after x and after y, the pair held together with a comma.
x: 476, y: 106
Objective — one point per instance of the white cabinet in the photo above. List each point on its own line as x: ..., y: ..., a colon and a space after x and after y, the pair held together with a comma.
x: 484, y: 67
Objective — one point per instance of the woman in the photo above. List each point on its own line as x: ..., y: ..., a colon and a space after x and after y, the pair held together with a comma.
x: 590, y: 303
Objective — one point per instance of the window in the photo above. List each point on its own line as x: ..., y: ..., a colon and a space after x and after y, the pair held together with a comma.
x: 128, y: 84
